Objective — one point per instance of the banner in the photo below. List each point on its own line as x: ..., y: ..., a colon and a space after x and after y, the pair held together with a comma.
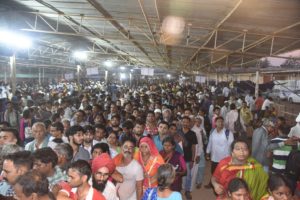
x: 200, y: 79
x: 147, y: 71
x: 92, y: 71
x: 69, y: 76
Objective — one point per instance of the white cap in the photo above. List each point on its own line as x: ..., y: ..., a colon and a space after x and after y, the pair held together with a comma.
x: 298, y: 118
x: 157, y: 111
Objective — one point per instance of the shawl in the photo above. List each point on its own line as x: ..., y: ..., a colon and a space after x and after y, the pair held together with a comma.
x: 252, y: 172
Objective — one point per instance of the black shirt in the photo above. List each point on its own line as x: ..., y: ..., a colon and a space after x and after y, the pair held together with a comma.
x: 190, y: 139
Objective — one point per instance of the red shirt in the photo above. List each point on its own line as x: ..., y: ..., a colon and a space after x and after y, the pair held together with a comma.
x: 151, y: 131
x: 93, y: 194
x: 259, y: 102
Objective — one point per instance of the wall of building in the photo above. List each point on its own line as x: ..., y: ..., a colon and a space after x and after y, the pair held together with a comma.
x: 263, y: 77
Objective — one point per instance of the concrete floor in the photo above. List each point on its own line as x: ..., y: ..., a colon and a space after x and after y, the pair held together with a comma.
x: 203, y: 193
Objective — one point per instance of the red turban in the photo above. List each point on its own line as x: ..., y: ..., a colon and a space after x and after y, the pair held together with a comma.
x: 104, y: 160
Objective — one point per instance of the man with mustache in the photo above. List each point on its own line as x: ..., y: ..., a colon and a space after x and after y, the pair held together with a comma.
x: 14, y: 165
x: 132, y: 171
x: 102, y: 168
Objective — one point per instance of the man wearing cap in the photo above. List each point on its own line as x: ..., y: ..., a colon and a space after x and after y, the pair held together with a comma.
x: 167, y: 115
x: 157, y: 113
x: 102, y: 167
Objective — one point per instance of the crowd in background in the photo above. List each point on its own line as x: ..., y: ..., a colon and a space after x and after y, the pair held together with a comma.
x: 97, y: 141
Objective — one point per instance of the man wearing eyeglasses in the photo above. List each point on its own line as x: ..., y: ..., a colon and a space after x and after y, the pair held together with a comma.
x: 102, y: 168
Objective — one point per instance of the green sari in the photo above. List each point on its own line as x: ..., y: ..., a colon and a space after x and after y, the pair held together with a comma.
x: 252, y: 172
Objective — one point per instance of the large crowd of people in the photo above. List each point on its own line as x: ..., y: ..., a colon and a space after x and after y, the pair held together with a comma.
x: 93, y: 141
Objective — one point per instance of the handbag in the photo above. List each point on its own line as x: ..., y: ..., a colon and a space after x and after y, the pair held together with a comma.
x: 238, y: 127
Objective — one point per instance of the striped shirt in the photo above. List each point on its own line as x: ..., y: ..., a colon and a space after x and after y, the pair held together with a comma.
x: 57, y: 177
x: 280, y: 155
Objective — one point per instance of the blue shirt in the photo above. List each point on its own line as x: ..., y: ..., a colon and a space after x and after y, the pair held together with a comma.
x: 173, y: 196
x: 6, y: 189
x: 159, y: 146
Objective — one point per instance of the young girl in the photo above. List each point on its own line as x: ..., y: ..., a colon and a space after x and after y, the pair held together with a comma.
x: 238, y: 189
x: 279, y: 188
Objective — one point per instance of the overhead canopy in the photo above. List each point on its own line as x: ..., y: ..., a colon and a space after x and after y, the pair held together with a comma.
x: 179, y: 35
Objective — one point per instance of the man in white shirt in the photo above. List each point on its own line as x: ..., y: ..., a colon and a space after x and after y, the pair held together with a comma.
x: 295, y: 130
x: 68, y: 112
x: 224, y: 109
x: 132, y: 186
x: 232, y: 117
x: 268, y: 101
x: 79, y: 119
x: 198, y: 172
x: 219, y: 143
x: 248, y: 98
x: 40, y: 137
x: 102, y: 167
x: 226, y: 92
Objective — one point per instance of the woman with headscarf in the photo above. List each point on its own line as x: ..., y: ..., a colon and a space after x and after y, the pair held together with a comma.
x: 150, y: 159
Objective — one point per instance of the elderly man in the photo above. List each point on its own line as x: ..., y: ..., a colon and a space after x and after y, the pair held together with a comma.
x: 132, y: 171
x: 103, y: 167
x: 64, y: 153
x: 260, y: 141
x: 167, y: 115
x: 40, y: 137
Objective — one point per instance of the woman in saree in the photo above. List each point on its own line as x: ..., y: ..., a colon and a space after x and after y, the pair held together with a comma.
x: 150, y: 159
x: 239, y: 164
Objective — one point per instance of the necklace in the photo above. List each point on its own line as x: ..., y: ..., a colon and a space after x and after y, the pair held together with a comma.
x: 145, y: 160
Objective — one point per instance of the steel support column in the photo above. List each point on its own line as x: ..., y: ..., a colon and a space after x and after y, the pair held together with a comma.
x: 13, y: 73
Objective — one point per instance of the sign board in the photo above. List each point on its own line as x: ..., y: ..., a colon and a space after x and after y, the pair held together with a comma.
x: 200, y: 79
x: 69, y: 76
x: 147, y: 71
x: 92, y: 71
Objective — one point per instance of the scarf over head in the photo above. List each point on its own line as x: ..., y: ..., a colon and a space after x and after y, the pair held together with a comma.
x: 151, y: 145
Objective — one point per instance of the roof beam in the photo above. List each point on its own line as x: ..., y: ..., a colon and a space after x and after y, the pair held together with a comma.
x: 114, y: 48
x: 261, y: 40
x: 217, y: 50
x: 136, y: 20
x: 151, y: 31
x: 116, y: 25
x: 214, y: 32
